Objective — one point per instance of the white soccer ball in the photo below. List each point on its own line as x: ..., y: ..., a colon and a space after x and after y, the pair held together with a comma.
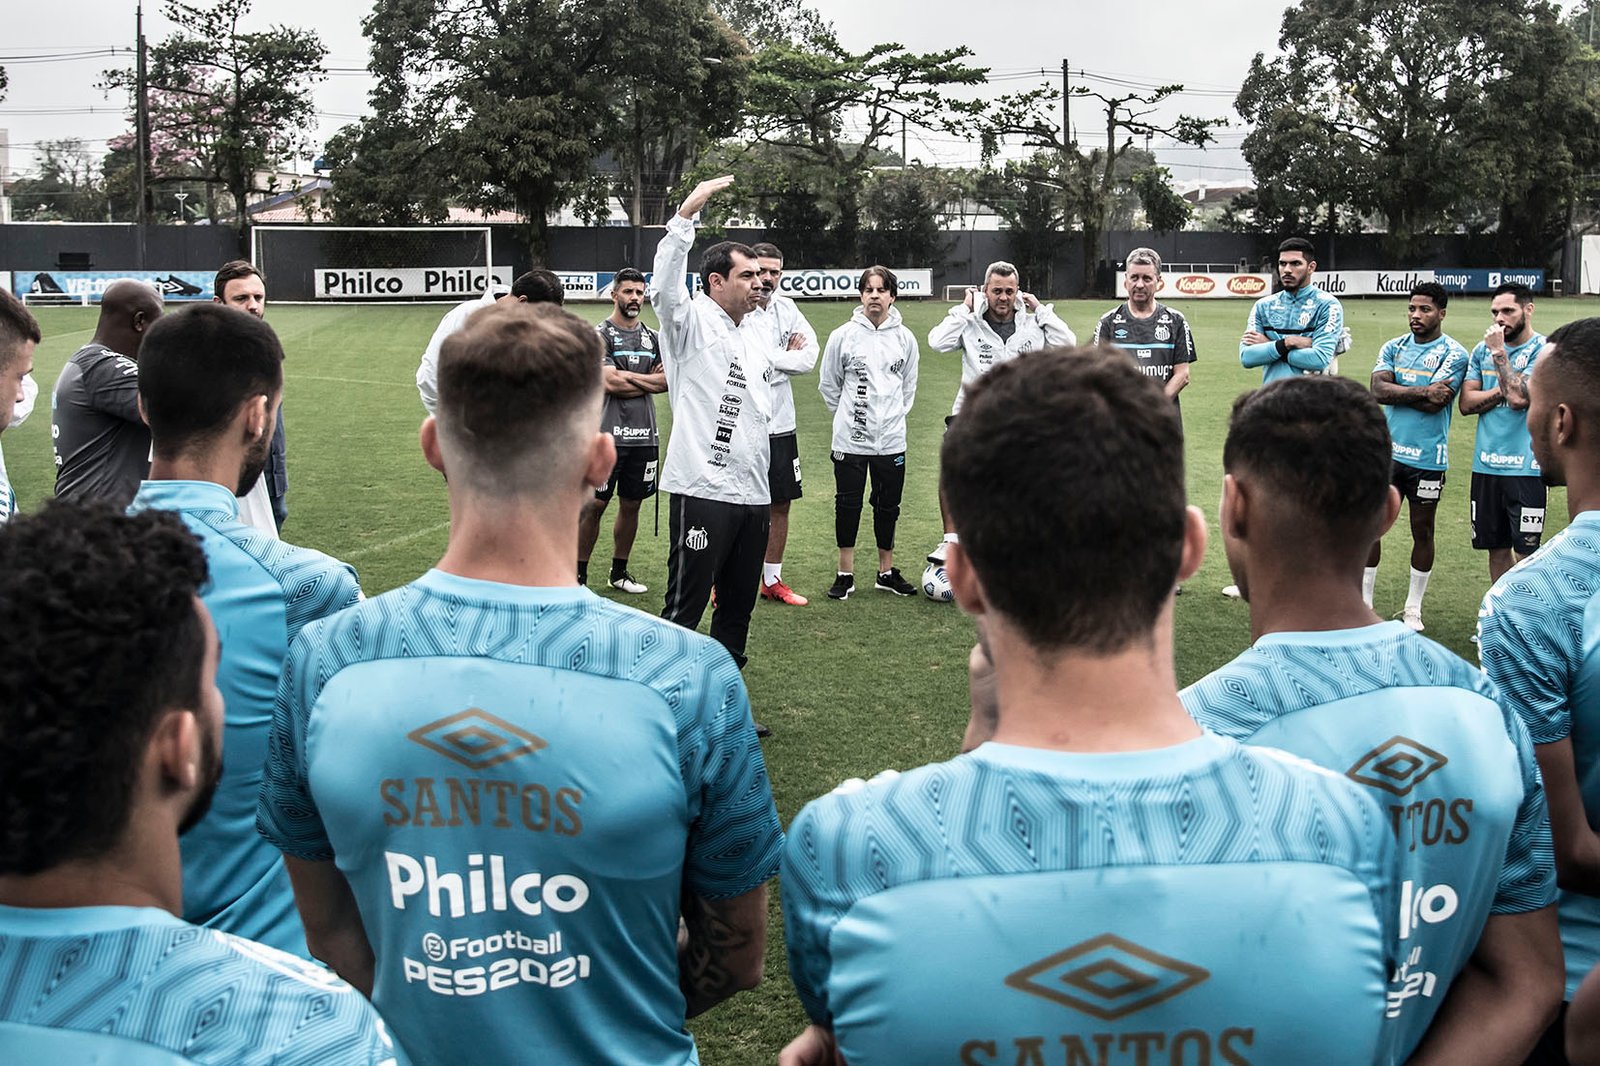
x: 936, y: 583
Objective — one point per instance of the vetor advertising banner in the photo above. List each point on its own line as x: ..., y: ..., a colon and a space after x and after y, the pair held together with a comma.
x: 172, y: 284
x: 1194, y: 286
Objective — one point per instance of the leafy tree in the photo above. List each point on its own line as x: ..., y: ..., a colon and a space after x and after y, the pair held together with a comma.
x: 506, y: 104
x: 906, y: 212
x: 239, y: 101
x: 66, y: 190
x: 1422, y: 112
x: 1027, y: 195
x: 1091, y: 181
x: 834, y: 113
x: 1164, y: 209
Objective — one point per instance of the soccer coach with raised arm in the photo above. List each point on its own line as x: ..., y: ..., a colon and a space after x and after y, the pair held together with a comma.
x: 718, y: 373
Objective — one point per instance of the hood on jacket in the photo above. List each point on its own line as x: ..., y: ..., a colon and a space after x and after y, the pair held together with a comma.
x: 890, y: 321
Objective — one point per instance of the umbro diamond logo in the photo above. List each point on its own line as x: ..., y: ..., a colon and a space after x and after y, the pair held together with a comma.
x: 1396, y: 766
x: 1107, y: 977
x: 477, y: 739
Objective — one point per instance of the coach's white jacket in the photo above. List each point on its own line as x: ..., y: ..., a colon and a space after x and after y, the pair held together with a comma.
x: 982, y: 348
x: 869, y: 379
x: 786, y: 320
x: 718, y: 383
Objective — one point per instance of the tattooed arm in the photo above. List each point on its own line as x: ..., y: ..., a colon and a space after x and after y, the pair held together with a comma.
x: 722, y: 947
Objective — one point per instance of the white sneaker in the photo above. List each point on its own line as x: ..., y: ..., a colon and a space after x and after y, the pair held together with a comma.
x: 626, y: 583
x: 936, y: 557
x: 1412, y: 617
x: 1231, y: 591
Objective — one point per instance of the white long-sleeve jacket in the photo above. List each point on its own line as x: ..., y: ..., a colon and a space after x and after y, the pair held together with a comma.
x: 869, y: 380
x: 981, y: 347
x: 453, y: 320
x: 718, y: 382
x: 785, y: 320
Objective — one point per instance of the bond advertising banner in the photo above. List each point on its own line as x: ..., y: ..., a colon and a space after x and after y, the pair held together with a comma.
x: 172, y: 284
x: 1205, y: 286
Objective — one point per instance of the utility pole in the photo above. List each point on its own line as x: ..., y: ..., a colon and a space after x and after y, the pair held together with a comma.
x: 141, y: 112
x: 1066, y: 106
x: 903, y: 159
x: 638, y: 178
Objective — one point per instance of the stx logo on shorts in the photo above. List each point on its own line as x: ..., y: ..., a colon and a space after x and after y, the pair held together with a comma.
x: 1107, y: 977
x: 1396, y: 766
x: 476, y: 739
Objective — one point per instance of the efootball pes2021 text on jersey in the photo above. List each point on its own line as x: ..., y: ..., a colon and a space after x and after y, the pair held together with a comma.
x: 519, y: 784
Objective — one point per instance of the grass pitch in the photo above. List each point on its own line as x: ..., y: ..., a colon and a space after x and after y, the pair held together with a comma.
x: 849, y: 688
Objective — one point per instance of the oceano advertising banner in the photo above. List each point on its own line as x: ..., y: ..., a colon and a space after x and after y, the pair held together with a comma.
x: 841, y: 284
x: 1203, y: 286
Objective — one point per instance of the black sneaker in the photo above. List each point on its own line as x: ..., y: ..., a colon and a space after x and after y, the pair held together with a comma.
x: 762, y: 731
x: 893, y: 582
x: 843, y: 585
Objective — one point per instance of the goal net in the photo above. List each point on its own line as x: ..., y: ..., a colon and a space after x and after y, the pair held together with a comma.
x: 367, y: 263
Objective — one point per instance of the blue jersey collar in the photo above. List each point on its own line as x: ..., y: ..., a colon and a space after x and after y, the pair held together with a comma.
x: 186, y: 496
x: 1202, y: 751
x: 55, y: 921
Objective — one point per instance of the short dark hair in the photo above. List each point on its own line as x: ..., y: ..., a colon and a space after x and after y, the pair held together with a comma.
x: 629, y: 274
x: 1517, y: 289
x: 718, y: 259
x: 1320, y: 443
x: 17, y: 326
x: 540, y: 286
x: 767, y: 250
x: 1432, y: 290
x: 102, y: 636
x: 1299, y: 244
x: 890, y: 282
x: 233, y: 270
x: 197, y: 366
x: 1075, y: 450
x: 1575, y: 359
x: 510, y: 384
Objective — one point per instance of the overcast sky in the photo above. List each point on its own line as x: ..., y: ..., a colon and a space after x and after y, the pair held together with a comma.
x: 1206, y: 46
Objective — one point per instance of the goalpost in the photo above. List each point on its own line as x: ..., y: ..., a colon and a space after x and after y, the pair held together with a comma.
x: 314, y: 263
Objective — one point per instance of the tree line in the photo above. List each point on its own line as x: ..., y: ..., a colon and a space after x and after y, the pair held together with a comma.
x: 1407, y: 117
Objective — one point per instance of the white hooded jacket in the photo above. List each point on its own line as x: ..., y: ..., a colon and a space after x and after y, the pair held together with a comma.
x: 869, y: 380
x: 786, y: 320
x: 718, y: 382
x: 981, y: 347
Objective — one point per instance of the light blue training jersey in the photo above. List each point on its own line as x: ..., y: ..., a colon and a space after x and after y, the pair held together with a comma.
x: 519, y: 784
x: 1502, y: 445
x: 1539, y: 639
x: 260, y: 593
x: 1442, y: 752
x: 1306, y: 312
x: 1419, y: 439
x: 1204, y: 902
x: 136, y: 985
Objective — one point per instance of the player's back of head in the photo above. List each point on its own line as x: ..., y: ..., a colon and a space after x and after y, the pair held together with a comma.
x: 1319, y: 447
x: 1570, y: 371
x: 198, y: 366
x: 102, y: 636
x: 1064, y: 477
x: 17, y: 328
x: 539, y: 286
x: 519, y: 397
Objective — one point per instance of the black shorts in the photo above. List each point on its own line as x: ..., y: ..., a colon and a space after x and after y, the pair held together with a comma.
x: 1507, y: 512
x: 783, y: 469
x: 1419, y: 487
x: 634, y: 476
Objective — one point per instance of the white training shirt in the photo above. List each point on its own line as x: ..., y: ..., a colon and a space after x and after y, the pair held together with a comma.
x: 454, y: 319
x: 719, y: 384
x: 785, y: 320
x: 981, y: 347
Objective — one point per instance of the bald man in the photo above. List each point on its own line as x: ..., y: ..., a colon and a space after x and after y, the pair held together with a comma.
x: 102, y: 446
